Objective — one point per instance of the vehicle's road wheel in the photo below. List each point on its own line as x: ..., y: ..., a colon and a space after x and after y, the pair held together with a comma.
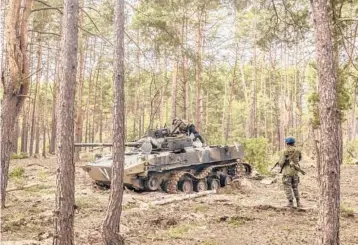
x: 152, y: 184
x: 186, y: 186
x: 214, y: 184
x: 225, y: 180
x: 201, y: 185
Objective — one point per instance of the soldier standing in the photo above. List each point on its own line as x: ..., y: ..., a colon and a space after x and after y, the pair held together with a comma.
x: 288, y: 160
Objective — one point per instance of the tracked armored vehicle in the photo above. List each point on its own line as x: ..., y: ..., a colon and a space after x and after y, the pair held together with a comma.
x: 172, y: 163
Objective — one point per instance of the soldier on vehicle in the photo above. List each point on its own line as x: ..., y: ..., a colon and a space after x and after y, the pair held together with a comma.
x: 289, y: 163
x: 181, y: 127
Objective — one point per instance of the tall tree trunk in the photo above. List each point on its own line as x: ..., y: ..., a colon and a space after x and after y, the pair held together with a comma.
x: 100, y: 112
x: 44, y: 118
x: 329, y: 166
x: 174, y: 89
x: 34, y: 107
x: 79, y: 111
x: 38, y: 123
x: 54, y: 103
x: 16, y: 136
x: 95, y: 108
x: 16, y: 81
x: 111, y: 224
x: 24, y: 129
x: 198, y: 75
x: 65, y: 195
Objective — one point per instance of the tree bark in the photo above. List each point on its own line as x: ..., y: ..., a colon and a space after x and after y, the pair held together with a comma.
x: 111, y: 224
x: 24, y: 130
x: 44, y: 115
x: 198, y: 75
x: 65, y: 195
x: 174, y: 90
x: 54, y: 119
x: 15, y: 82
x: 34, y: 107
x: 79, y: 111
x: 16, y: 136
x: 329, y: 169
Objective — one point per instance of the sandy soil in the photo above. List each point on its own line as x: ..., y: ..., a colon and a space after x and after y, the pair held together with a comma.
x: 250, y: 214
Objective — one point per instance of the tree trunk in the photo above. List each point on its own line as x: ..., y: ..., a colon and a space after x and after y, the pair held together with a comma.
x: 329, y: 169
x: 93, y: 133
x: 16, y: 136
x: 111, y: 224
x: 16, y: 81
x: 24, y: 130
x: 79, y: 111
x: 44, y: 109
x: 34, y: 107
x: 174, y: 90
x: 198, y: 75
x: 65, y: 196
x: 37, y: 140
x: 101, y: 112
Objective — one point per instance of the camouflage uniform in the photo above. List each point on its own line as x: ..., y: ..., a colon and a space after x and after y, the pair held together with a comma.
x: 181, y: 127
x: 290, y: 177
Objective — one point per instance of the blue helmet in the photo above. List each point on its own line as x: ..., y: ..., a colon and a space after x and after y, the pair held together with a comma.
x: 290, y: 140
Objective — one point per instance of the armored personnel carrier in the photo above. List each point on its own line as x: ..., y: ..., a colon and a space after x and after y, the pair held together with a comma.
x: 172, y: 163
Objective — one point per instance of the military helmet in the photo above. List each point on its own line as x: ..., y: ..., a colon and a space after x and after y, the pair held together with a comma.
x: 290, y: 140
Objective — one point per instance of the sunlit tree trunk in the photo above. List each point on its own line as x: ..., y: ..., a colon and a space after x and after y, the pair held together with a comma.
x: 174, y: 90
x: 15, y: 81
x: 34, y: 106
x: 54, y: 107
x: 79, y: 90
x: 65, y: 195
x: 198, y: 69
x: 330, y: 155
x: 111, y: 224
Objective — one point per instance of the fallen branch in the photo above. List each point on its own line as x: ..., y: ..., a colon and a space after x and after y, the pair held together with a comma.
x: 21, y: 187
x: 182, y: 198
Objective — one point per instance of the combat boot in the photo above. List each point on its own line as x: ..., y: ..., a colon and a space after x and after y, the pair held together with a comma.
x: 289, y: 204
x: 299, y: 204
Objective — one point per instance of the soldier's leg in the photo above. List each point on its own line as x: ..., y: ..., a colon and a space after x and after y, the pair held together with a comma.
x: 295, y: 181
x: 287, y: 186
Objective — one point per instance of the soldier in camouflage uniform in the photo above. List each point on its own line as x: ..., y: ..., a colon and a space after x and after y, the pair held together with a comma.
x: 181, y: 127
x: 290, y: 157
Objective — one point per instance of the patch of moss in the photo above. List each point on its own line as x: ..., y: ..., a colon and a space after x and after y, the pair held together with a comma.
x: 21, y: 155
x: 179, y: 231
x: 17, y: 173
x: 347, y: 211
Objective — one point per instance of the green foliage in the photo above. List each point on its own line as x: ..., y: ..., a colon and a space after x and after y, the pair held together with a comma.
x: 22, y: 155
x: 256, y: 153
x: 199, y: 208
x: 179, y: 231
x: 346, y: 211
x: 17, y: 173
x: 130, y: 205
x: 350, y: 153
x: 210, y: 242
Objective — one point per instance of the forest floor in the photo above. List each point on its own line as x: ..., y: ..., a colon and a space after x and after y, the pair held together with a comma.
x: 254, y: 213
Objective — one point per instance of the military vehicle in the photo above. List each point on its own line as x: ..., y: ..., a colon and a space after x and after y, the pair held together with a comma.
x: 171, y: 162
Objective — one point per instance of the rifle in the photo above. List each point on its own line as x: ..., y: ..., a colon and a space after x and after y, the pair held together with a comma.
x: 275, y: 167
x: 297, y: 168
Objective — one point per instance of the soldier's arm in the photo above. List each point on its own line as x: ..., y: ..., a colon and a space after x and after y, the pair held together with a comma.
x: 282, y: 159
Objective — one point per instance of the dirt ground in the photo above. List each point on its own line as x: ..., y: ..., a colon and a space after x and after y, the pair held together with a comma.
x: 251, y: 214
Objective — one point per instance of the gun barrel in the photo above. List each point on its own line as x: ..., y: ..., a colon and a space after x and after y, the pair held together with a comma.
x: 274, y: 166
x: 130, y: 144
x: 297, y: 168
